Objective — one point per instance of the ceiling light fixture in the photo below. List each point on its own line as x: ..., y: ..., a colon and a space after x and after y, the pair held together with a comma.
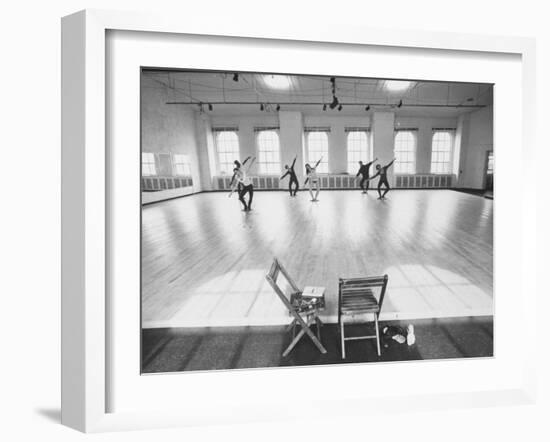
x: 368, y: 107
x: 235, y: 77
x: 397, y: 85
x: 261, y: 107
x: 210, y: 107
x: 277, y: 81
x: 324, y: 107
x: 400, y: 103
x: 278, y: 107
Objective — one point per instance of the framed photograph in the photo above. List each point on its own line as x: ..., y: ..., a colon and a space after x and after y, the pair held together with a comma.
x: 254, y: 215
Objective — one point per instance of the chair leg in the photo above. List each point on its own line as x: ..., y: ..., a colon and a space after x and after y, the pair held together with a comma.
x: 342, y: 339
x: 377, y: 333
x: 291, y: 325
x: 293, y: 343
x: 319, y: 323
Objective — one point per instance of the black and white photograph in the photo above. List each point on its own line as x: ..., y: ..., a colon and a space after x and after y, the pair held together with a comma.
x: 297, y: 220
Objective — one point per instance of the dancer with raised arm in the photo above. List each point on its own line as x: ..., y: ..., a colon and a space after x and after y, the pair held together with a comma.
x: 364, y: 172
x: 313, y: 179
x: 382, y: 172
x: 244, y: 185
x: 237, y: 167
x: 293, y: 178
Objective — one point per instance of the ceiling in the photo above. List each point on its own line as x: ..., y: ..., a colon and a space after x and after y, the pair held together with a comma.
x: 248, y: 93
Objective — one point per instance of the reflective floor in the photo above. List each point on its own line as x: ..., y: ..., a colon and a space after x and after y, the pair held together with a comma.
x: 204, y: 259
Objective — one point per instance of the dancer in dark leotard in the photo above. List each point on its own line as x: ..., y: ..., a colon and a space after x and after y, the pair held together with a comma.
x: 382, y: 173
x: 244, y: 186
x: 293, y: 179
x: 364, y: 172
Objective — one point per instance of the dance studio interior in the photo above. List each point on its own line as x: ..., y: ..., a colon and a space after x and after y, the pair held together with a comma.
x: 299, y: 220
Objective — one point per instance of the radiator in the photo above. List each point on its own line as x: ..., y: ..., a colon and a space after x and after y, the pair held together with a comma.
x: 153, y: 183
x: 427, y: 181
x: 346, y: 182
x: 259, y: 182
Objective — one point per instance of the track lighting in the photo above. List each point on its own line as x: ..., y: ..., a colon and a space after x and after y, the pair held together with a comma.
x: 235, y: 77
x: 339, y: 108
x: 334, y: 102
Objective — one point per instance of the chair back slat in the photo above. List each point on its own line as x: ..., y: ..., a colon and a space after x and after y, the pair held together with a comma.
x: 352, y: 286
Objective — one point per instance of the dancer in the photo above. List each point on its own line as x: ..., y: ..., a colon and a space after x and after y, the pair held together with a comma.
x: 244, y: 185
x: 237, y: 167
x: 293, y: 178
x: 364, y: 172
x: 313, y: 179
x: 382, y: 172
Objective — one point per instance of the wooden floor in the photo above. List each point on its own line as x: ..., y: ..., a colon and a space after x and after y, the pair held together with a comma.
x: 204, y: 260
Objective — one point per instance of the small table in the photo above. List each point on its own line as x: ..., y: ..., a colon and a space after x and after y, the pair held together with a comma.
x: 315, y: 295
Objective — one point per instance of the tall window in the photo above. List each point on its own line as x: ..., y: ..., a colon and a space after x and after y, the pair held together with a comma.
x: 148, y: 167
x: 358, y: 149
x: 405, y: 152
x: 442, y: 143
x: 181, y: 165
x: 317, y: 147
x: 227, y: 144
x: 268, y: 152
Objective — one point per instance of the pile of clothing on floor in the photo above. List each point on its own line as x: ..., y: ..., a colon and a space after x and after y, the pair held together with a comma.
x: 399, y: 334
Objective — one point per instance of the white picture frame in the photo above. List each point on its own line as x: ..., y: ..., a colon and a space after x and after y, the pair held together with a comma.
x: 86, y: 207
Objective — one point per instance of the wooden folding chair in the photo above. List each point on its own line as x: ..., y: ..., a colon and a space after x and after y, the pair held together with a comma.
x: 303, y: 309
x: 357, y: 296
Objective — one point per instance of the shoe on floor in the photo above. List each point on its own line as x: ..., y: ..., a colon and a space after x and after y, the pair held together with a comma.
x: 411, y: 338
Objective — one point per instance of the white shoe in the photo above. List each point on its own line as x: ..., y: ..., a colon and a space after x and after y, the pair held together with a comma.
x: 411, y: 338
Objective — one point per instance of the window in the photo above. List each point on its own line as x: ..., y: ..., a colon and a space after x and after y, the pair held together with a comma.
x: 442, y: 144
x: 405, y: 152
x: 227, y: 144
x: 148, y: 164
x: 358, y: 149
x: 268, y: 152
x: 490, y: 163
x: 181, y: 165
x: 317, y: 147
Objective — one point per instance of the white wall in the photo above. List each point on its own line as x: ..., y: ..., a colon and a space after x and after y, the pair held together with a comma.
x: 477, y: 140
x: 169, y: 129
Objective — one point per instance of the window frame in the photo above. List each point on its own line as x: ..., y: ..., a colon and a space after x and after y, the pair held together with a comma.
x: 323, y: 165
x: 185, y: 163
x: 449, y: 162
x: 235, y: 155
x: 398, y: 163
x: 277, y: 153
x: 153, y: 163
x: 352, y: 165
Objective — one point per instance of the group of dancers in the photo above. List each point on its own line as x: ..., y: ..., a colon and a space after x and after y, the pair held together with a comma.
x: 242, y: 183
